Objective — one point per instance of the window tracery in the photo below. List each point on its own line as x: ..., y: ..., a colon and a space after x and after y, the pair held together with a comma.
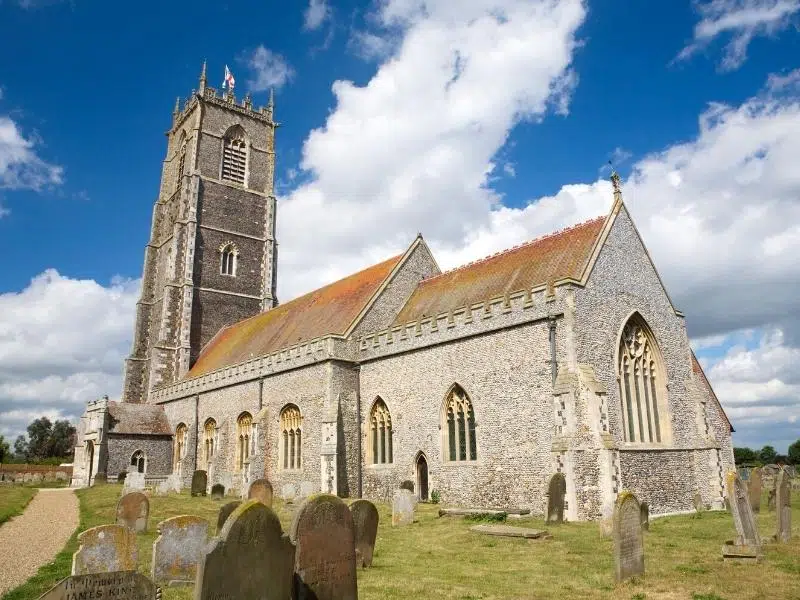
x: 244, y: 427
x: 209, y: 440
x: 381, y: 433
x: 291, y: 437
x: 461, y: 441
x: 234, y: 156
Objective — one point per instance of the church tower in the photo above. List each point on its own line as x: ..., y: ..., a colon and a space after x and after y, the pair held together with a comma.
x: 212, y: 255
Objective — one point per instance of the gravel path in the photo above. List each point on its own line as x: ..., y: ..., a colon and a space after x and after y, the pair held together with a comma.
x: 35, y: 537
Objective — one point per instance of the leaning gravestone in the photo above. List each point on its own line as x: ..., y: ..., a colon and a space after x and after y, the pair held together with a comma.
x: 251, y: 558
x: 365, y: 521
x: 325, y: 562
x: 217, y: 491
x: 747, y: 544
x: 628, y: 538
x: 261, y: 490
x: 178, y: 549
x: 199, y: 483
x: 105, y: 549
x: 644, y: 511
x: 225, y: 512
x: 783, y: 504
x: 754, y: 489
x: 132, y: 511
x: 555, y: 498
x: 123, y: 585
x: 403, y: 505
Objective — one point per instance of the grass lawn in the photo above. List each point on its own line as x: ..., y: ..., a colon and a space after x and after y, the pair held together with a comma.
x: 13, y: 500
x: 441, y: 558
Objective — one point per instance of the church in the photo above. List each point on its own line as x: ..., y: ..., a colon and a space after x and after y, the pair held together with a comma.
x: 564, y: 354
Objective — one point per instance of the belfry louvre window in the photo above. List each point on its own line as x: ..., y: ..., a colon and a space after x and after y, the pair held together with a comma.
x: 291, y: 437
x: 641, y: 383
x: 209, y: 440
x: 381, y: 433
x: 244, y: 427
x: 181, y: 166
x: 234, y: 156
x: 461, y: 442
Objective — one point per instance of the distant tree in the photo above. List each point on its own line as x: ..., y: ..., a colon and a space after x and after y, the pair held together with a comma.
x: 39, y: 438
x: 794, y: 453
x: 21, y: 449
x: 62, y: 439
x: 744, y: 456
x: 5, y: 451
x: 767, y: 455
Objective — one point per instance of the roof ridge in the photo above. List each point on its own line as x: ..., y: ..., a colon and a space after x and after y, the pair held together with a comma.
x: 517, y: 247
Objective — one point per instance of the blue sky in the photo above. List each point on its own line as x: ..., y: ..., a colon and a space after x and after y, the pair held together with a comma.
x: 696, y: 103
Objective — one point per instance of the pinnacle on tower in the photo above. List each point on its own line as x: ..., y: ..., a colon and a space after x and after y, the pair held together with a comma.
x: 203, y: 80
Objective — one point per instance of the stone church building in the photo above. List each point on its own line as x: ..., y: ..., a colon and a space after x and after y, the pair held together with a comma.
x: 564, y: 354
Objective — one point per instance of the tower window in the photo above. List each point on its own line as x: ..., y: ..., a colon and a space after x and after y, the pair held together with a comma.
x: 229, y: 259
x: 234, y: 156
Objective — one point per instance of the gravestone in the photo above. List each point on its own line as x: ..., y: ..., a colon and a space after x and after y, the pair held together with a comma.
x: 747, y: 543
x: 133, y: 482
x: 407, y: 485
x: 288, y: 491
x: 644, y: 509
x: 132, y: 511
x: 365, y: 521
x: 199, y: 483
x: 172, y: 484
x: 217, y: 491
x: 105, y: 549
x: 771, y: 500
x: 261, y: 490
x: 225, y: 512
x: 606, y: 522
x: 251, y: 558
x: 178, y: 549
x: 555, y: 498
x: 783, y: 505
x: 123, y: 585
x: 754, y: 489
x: 628, y: 538
x: 403, y: 505
x: 697, y: 502
x: 121, y: 476
x: 325, y: 561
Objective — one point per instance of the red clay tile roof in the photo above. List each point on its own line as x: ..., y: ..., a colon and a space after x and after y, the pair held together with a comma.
x: 328, y: 310
x: 541, y: 261
x: 698, y: 370
x: 138, y: 419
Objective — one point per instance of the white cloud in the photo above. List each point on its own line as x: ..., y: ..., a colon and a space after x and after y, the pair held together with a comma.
x: 741, y: 20
x: 20, y: 165
x: 269, y: 70
x: 62, y: 342
x: 316, y: 14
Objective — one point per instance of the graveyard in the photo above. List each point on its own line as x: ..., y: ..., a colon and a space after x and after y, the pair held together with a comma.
x: 441, y: 557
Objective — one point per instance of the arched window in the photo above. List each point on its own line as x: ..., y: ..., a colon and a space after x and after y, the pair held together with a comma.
x: 381, y: 433
x: 209, y: 440
x: 229, y: 258
x: 641, y: 383
x: 244, y: 431
x: 234, y: 156
x: 179, y: 450
x: 181, y: 164
x: 459, y: 417
x: 291, y: 437
x: 139, y: 461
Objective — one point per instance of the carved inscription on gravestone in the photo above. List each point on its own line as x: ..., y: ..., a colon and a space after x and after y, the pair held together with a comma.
x: 628, y: 538
x: 120, y: 585
x: 325, y: 562
x: 783, y: 504
x: 754, y: 489
x: 365, y: 521
x: 555, y: 498
x: 261, y: 490
x: 105, y: 549
x: 199, y: 483
x: 132, y: 511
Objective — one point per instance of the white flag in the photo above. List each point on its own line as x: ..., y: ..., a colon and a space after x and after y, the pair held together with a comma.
x: 229, y: 80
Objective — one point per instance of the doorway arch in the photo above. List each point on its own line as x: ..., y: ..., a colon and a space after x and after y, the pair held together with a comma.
x: 421, y: 469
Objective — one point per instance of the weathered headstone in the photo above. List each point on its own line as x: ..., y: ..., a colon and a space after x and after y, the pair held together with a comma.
x: 199, y: 483
x: 365, y: 521
x: 133, y: 482
x: 771, y: 500
x: 628, y: 538
x: 121, y: 476
x: 783, y: 505
x: 403, y: 505
x: 172, y: 484
x: 121, y: 584
x: 747, y: 543
x: 217, y: 491
x: 754, y: 489
x: 325, y: 562
x: 225, y: 512
x: 261, y: 490
x: 178, y: 549
x: 606, y: 521
x: 251, y: 558
x: 133, y: 509
x: 555, y: 498
x: 105, y: 549
x: 644, y: 509
x: 407, y: 484
x: 697, y: 502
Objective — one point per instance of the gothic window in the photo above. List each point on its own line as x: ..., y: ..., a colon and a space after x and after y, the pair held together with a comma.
x: 381, y: 433
x: 180, y: 447
x: 291, y: 437
x: 209, y: 440
x: 139, y: 462
x: 641, y: 384
x: 244, y: 430
x: 234, y: 156
x: 459, y: 419
x: 181, y: 165
x: 229, y: 255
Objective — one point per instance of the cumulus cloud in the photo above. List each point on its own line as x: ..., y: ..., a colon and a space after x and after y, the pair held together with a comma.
x: 62, y: 342
x: 20, y: 166
x: 740, y: 21
x: 315, y: 15
x: 269, y: 70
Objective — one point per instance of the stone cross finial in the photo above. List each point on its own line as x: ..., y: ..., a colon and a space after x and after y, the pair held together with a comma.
x: 616, y: 183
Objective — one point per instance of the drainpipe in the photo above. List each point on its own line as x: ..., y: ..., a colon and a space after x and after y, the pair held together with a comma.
x: 358, y: 419
x: 196, y: 427
x: 553, y: 361
x: 260, y: 393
